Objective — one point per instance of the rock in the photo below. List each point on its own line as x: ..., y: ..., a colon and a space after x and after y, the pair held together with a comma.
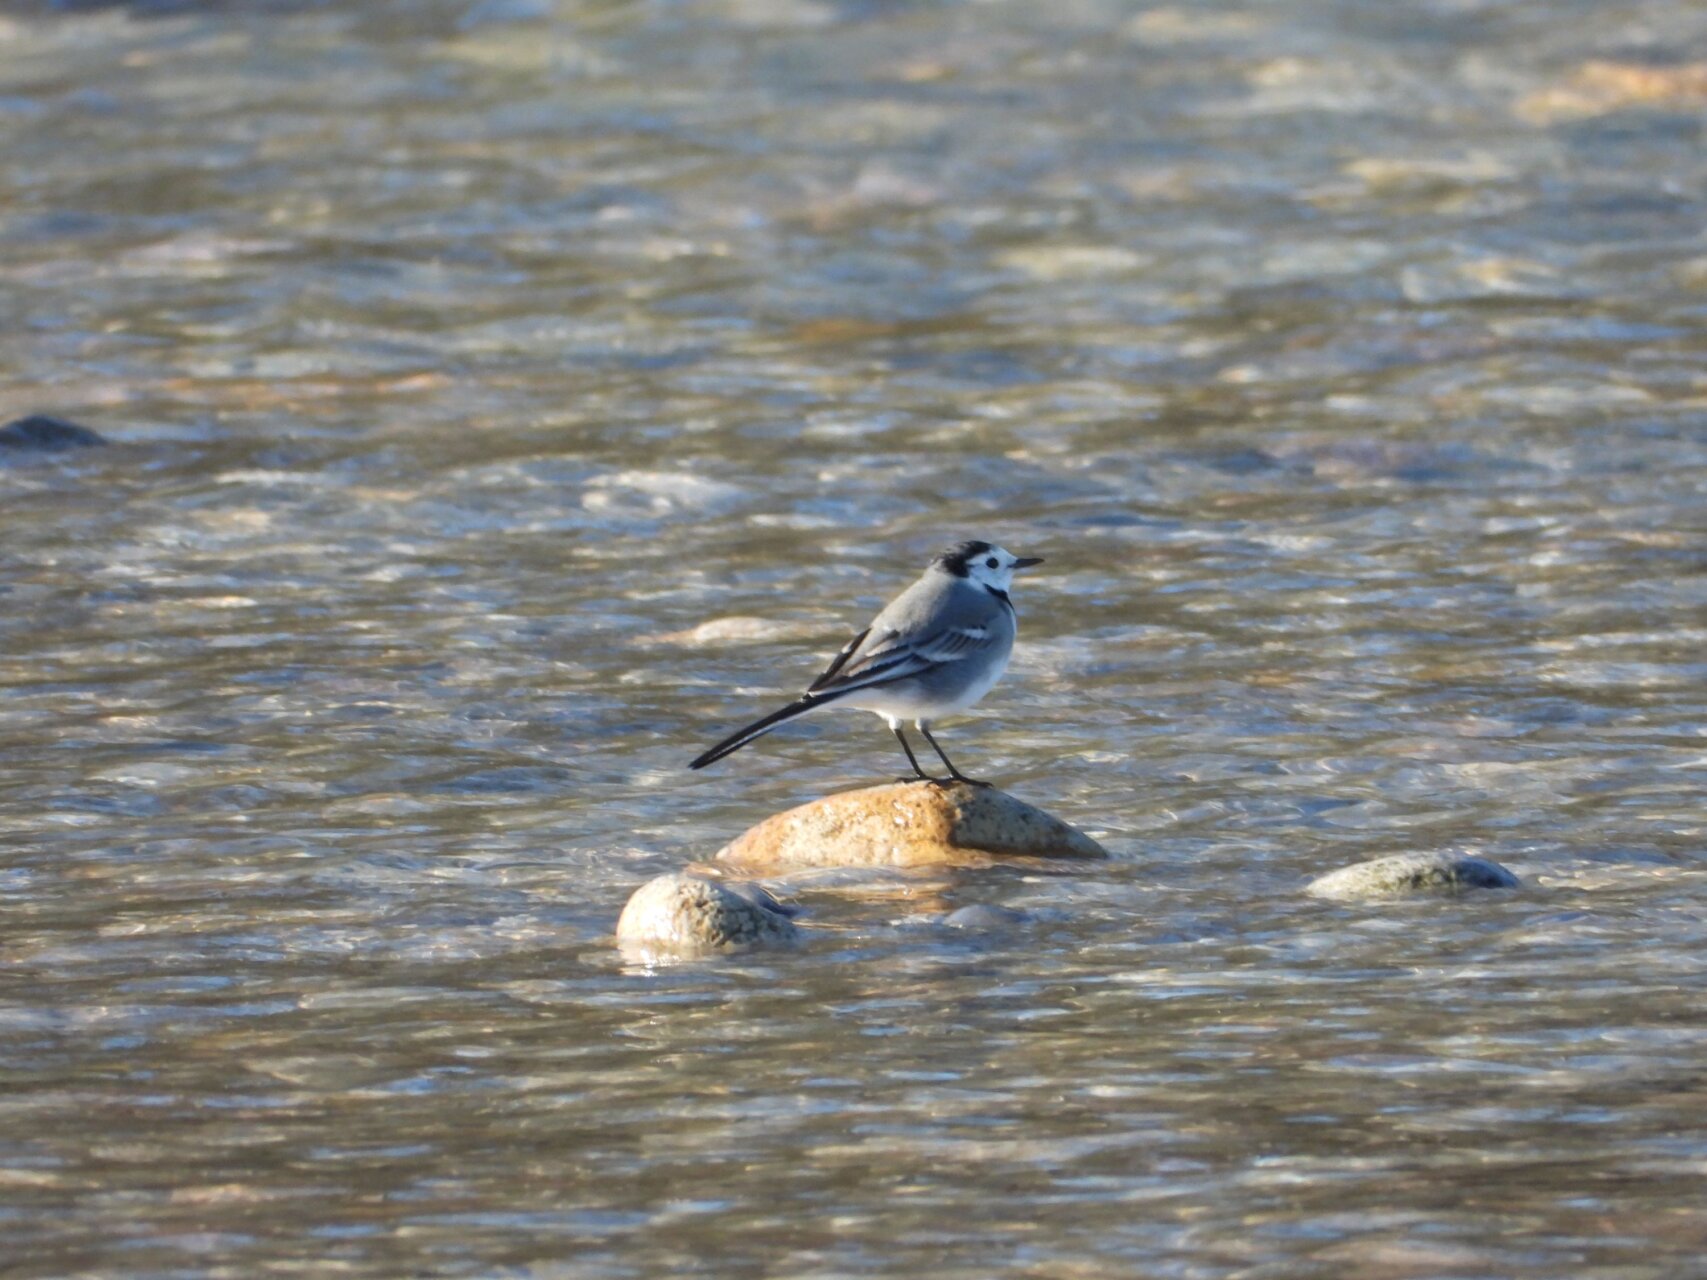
x: 982, y: 917
x: 1403, y: 874
x: 909, y: 824
x: 687, y: 915
x: 47, y: 435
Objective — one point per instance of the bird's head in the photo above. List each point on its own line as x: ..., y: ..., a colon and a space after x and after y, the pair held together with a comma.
x: 983, y: 563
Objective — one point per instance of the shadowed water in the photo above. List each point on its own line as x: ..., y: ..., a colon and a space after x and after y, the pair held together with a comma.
x: 508, y: 399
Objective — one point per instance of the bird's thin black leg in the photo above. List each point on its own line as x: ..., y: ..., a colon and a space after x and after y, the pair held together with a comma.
x: 953, y: 773
x: 911, y: 758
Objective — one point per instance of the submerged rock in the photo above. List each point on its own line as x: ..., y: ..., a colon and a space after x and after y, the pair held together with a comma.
x: 984, y: 917
x: 47, y: 435
x: 1413, y: 873
x: 909, y: 824
x: 687, y: 915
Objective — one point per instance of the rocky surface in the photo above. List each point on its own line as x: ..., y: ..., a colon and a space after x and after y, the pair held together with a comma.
x: 909, y: 824
x: 685, y: 914
x: 984, y: 917
x: 43, y: 434
x: 1413, y: 873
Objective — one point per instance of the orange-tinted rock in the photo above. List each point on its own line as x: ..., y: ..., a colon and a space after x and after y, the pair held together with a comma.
x: 909, y: 824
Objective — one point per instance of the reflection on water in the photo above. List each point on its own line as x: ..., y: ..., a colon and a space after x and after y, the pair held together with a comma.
x: 509, y: 396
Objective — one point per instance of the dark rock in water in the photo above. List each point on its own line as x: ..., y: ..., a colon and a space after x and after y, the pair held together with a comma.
x: 47, y: 435
x: 1405, y: 874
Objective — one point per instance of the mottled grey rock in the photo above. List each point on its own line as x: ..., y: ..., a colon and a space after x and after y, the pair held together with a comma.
x: 47, y: 435
x: 1411, y: 873
x: 908, y: 824
x: 685, y: 914
x: 983, y: 917
x: 760, y: 897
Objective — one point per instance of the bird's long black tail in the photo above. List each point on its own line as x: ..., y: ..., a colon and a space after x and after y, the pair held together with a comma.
x: 759, y: 728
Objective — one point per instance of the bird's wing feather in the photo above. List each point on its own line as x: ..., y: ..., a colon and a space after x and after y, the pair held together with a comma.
x: 899, y: 659
x: 895, y: 647
x: 953, y: 643
x: 838, y: 662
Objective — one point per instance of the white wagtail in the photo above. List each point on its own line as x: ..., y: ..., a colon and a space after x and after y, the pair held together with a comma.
x: 935, y: 650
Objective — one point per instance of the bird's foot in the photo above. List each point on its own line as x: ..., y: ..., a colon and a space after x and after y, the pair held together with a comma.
x: 955, y: 779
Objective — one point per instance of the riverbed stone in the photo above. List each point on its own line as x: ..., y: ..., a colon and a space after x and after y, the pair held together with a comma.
x: 908, y: 824
x: 1405, y: 874
x: 43, y: 434
x: 687, y: 914
x: 985, y: 917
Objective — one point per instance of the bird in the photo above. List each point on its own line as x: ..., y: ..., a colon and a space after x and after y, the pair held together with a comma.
x: 933, y: 651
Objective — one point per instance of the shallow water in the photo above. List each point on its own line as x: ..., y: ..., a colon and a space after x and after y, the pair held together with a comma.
x: 464, y: 362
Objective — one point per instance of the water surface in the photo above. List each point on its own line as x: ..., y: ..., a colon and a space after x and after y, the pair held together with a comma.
x: 508, y: 399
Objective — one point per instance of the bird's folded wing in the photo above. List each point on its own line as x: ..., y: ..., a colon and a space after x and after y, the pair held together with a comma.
x: 838, y: 662
x: 873, y: 659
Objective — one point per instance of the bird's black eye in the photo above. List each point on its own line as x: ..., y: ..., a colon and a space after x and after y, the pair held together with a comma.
x: 991, y: 563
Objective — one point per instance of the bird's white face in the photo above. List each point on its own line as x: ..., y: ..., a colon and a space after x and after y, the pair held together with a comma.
x: 995, y: 568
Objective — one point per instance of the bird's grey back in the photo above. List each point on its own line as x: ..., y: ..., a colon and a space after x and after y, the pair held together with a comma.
x: 940, y: 600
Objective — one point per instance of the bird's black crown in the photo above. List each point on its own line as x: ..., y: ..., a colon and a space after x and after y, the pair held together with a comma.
x: 956, y: 558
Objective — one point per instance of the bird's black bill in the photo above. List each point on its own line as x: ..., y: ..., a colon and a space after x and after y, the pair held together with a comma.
x: 1025, y: 562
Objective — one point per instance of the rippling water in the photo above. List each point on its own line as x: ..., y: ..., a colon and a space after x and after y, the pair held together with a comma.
x: 508, y: 398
